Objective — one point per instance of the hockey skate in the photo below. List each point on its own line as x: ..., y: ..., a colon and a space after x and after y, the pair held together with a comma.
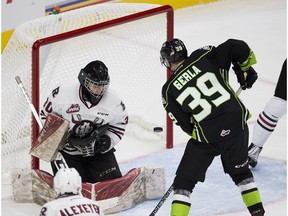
x: 253, y: 154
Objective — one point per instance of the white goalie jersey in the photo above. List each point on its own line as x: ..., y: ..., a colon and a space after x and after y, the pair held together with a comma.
x: 66, y: 101
x: 71, y: 205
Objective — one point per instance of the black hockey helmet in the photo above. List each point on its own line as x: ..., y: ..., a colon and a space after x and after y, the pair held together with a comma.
x: 95, y: 80
x: 172, y: 51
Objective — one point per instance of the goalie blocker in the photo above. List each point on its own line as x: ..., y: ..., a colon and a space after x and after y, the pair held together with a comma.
x: 51, y: 139
x: 119, y: 194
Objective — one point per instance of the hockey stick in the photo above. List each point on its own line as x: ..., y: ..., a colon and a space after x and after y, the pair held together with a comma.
x: 163, y: 199
x: 59, y: 156
x: 20, y: 84
x: 239, y: 90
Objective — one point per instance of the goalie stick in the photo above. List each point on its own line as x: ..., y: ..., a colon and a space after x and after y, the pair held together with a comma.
x: 20, y: 84
x: 168, y: 192
x: 59, y: 159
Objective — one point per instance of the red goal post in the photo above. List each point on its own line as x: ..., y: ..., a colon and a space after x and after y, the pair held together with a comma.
x: 97, y: 37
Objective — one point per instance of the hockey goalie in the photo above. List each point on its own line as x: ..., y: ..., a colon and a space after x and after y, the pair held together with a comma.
x: 113, y: 195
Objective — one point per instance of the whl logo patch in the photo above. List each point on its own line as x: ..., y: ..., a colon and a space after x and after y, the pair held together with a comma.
x: 73, y: 108
x: 224, y: 133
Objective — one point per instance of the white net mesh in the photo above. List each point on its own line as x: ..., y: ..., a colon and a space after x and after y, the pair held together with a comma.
x: 130, y: 51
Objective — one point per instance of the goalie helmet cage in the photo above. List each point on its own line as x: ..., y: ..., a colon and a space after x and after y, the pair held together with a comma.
x: 51, y: 51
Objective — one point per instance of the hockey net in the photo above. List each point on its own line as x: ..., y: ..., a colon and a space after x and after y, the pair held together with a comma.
x: 51, y: 50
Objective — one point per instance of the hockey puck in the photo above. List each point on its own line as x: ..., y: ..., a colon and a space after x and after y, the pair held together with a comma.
x: 157, y: 129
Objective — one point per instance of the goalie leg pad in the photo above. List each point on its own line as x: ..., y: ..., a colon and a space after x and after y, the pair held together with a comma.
x: 33, y: 186
x: 149, y: 183
x: 129, y: 189
x: 154, y: 182
x: 122, y: 193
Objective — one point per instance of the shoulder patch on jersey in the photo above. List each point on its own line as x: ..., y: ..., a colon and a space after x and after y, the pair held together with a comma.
x: 73, y: 108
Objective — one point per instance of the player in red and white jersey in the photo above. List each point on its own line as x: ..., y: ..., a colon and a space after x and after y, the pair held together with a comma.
x: 97, y: 120
x: 68, y: 185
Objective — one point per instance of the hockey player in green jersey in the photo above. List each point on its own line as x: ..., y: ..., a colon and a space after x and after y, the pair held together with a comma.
x: 199, y: 99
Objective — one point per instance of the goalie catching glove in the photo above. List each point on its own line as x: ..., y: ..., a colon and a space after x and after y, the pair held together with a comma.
x: 96, y: 142
x: 103, y: 145
x: 249, y: 80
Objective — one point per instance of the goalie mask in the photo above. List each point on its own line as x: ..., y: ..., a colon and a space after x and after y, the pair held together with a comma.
x: 94, y: 79
x: 67, y: 181
x: 172, y: 51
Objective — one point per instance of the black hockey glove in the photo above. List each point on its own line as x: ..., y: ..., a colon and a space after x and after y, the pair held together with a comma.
x: 240, y: 77
x: 103, y: 144
x: 84, y: 145
x: 87, y: 144
x: 249, y: 80
x: 251, y: 77
x: 81, y: 142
